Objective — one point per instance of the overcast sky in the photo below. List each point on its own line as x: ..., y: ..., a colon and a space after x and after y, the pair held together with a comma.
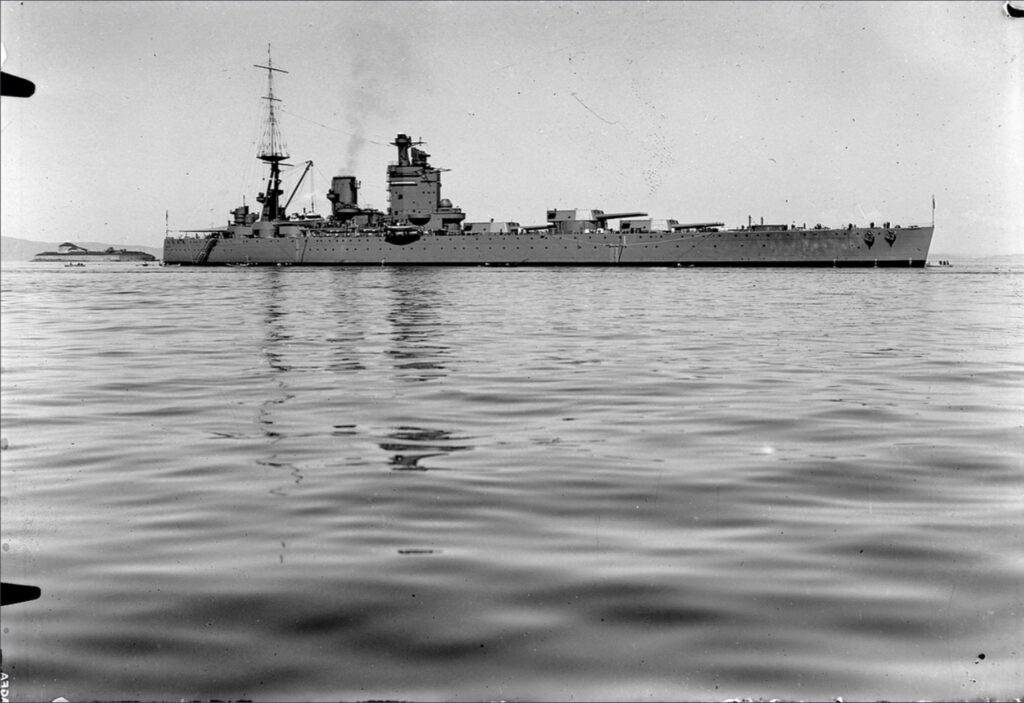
x: 795, y: 112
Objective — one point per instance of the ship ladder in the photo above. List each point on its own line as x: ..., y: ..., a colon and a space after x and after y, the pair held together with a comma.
x: 205, y: 253
x: 617, y: 249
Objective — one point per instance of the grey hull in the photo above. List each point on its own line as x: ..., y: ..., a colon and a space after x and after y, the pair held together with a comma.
x: 866, y: 247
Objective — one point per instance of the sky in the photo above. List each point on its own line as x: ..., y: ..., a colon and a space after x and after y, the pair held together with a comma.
x: 828, y: 113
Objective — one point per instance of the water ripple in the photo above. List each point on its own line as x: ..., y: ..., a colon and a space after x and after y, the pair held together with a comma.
x: 466, y: 484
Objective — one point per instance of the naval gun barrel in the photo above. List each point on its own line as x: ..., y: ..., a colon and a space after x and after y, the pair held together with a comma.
x: 617, y: 215
x: 697, y: 225
x: 533, y: 228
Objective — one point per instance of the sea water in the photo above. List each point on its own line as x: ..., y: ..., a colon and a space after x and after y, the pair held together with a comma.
x: 513, y: 483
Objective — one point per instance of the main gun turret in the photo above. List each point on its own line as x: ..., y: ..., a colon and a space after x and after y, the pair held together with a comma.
x: 584, y: 221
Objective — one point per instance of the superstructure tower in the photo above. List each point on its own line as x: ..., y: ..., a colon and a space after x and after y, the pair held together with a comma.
x: 414, y: 190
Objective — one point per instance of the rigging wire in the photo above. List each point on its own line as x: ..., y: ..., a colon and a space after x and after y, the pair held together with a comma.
x: 321, y: 173
x: 312, y: 189
x: 324, y: 178
x: 335, y: 129
x: 251, y: 176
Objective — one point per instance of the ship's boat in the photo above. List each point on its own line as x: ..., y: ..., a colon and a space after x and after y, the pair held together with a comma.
x: 421, y: 227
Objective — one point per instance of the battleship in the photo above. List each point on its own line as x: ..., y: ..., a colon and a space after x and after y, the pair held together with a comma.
x: 421, y: 227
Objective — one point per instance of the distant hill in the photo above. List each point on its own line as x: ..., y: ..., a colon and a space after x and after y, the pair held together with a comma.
x: 14, y: 249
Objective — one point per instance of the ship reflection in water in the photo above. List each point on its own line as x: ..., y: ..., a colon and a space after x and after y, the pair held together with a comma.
x: 410, y: 484
x: 414, y: 444
x: 415, y: 317
x: 275, y: 346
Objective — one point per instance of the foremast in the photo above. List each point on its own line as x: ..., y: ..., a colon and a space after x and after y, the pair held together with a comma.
x: 272, y: 149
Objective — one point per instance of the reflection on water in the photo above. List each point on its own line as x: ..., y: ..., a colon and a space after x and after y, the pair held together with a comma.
x: 276, y: 341
x: 417, y: 327
x: 273, y: 322
x: 354, y: 484
x: 351, y: 329
x: 413, y: 444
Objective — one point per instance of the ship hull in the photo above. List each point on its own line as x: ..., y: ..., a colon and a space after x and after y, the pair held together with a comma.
x: 85, y: 258
x: 864, y: 247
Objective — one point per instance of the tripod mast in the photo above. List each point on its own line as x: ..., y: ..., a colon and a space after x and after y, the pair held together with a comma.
x: 272, y: 148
